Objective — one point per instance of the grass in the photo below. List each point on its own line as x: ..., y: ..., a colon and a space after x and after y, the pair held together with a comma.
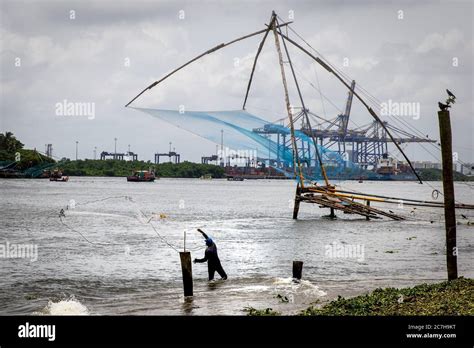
x: 442, y: 299
x: 447, y: 298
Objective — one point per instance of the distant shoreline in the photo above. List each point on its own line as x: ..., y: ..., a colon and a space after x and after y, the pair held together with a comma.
x: 196, y: 170
x: 223, y: 178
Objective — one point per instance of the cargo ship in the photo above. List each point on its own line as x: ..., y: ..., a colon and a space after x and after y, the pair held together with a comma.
x: 388, y: 168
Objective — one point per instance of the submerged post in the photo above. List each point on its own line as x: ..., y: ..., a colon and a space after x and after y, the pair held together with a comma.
x: 368, y: 206
x: 297, y: 269
x: 448, y: 191
x: 296, y: 207
x: 187, y: 272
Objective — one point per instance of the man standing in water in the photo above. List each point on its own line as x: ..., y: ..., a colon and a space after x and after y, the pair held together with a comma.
x: 210, y: 255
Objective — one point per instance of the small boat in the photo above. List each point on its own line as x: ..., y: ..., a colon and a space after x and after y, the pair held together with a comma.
x: 57, y: 175
x: 206, y: 177
x: 142, y: 175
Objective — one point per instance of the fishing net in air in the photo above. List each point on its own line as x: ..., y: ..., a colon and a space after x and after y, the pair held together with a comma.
x: 266, y: 142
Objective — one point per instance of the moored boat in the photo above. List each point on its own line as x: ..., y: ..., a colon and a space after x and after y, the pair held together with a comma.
x: 57, y: 175
x: 142, y: 175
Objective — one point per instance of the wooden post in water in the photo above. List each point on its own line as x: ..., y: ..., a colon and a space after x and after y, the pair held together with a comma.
x: 448, y: 191
x: 368, y: 205
x: 297, y: 269
x: 332, y: 215
x: 296, y: 207
x: 187, y: 272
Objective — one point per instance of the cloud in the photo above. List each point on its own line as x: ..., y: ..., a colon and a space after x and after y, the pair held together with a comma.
x: 448, y: 41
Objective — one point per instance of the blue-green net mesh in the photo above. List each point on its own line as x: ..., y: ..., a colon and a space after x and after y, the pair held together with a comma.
x: 271, y: 141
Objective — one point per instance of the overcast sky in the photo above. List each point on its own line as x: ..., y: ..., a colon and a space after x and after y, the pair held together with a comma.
x: 105, y: 52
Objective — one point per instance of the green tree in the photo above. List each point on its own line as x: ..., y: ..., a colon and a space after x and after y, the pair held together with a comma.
x: 9, y: 143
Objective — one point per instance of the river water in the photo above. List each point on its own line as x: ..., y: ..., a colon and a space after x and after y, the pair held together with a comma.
x: 116, y: 249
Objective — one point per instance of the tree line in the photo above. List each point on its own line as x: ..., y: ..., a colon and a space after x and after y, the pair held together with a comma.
x: 111, y: 167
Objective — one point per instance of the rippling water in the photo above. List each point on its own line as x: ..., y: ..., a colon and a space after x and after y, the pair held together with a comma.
x: 106, y: 258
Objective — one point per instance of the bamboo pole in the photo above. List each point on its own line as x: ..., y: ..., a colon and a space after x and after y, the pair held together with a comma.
x: 323, y: 170
x: 260, y: 47
x: 386, y: 199
x: 349, y: 207
x: 346, y: 209
x: 215, y: 48
x: 372, y: 209
x: 296, y: 159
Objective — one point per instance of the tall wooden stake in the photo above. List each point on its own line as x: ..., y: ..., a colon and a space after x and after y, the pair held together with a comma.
x: 187, y: 273
x: 296, y: 207
x: 297, y: 269
x: 368, y: 205
x: 448, y: 189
